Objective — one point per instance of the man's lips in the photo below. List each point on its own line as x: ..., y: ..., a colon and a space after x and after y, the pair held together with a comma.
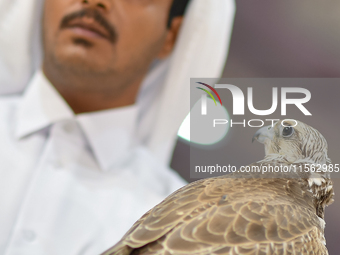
x: 89, y: 28
x: 89, y: 23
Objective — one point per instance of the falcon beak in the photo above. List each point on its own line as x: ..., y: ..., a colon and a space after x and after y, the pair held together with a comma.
x: 263, y: 134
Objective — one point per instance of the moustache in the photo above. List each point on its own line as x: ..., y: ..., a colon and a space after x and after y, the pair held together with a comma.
x: 94, y: 14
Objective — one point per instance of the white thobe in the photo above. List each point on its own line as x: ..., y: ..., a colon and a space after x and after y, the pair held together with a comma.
x: 71, y: 184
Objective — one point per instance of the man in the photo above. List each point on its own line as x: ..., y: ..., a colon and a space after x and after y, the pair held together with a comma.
x: 84, y: 148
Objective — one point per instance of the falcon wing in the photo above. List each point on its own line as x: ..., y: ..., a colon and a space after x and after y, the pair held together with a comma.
x: 229, y: 216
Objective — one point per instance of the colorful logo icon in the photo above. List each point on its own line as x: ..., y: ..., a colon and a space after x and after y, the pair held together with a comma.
x: 208, y: 92
x: 204, y: 97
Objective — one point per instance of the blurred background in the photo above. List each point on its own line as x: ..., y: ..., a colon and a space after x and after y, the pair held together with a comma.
x: 285, y: 39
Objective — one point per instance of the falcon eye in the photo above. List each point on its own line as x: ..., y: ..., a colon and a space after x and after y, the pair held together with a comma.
x: 287, y: 131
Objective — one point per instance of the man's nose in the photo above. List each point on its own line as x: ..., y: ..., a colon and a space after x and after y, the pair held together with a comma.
x: 100, y: 4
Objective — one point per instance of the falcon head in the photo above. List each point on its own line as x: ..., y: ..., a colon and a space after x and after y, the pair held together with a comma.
x: 295, y: 141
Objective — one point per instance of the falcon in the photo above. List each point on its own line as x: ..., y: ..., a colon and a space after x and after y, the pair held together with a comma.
x: 246, y: 213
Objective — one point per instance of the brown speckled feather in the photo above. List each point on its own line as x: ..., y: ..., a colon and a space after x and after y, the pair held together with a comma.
x: 243, y: 215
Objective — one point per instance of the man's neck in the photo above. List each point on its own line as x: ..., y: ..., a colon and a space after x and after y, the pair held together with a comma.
x: 83, y: 100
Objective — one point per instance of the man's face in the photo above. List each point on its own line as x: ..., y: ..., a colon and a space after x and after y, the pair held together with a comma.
x: 104, y: 36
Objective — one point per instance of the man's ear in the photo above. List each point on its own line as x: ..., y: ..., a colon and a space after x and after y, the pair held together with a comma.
x: 171, y: 37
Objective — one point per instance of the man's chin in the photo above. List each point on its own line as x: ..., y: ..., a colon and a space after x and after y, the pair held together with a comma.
x: 80, y: 66
x: 81, y: 59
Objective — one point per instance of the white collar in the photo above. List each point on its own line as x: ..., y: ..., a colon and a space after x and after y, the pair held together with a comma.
x: 110, y: 133
x: 41, y: 106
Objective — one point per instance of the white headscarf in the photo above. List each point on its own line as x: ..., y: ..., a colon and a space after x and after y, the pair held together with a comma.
x: 164, y: 100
